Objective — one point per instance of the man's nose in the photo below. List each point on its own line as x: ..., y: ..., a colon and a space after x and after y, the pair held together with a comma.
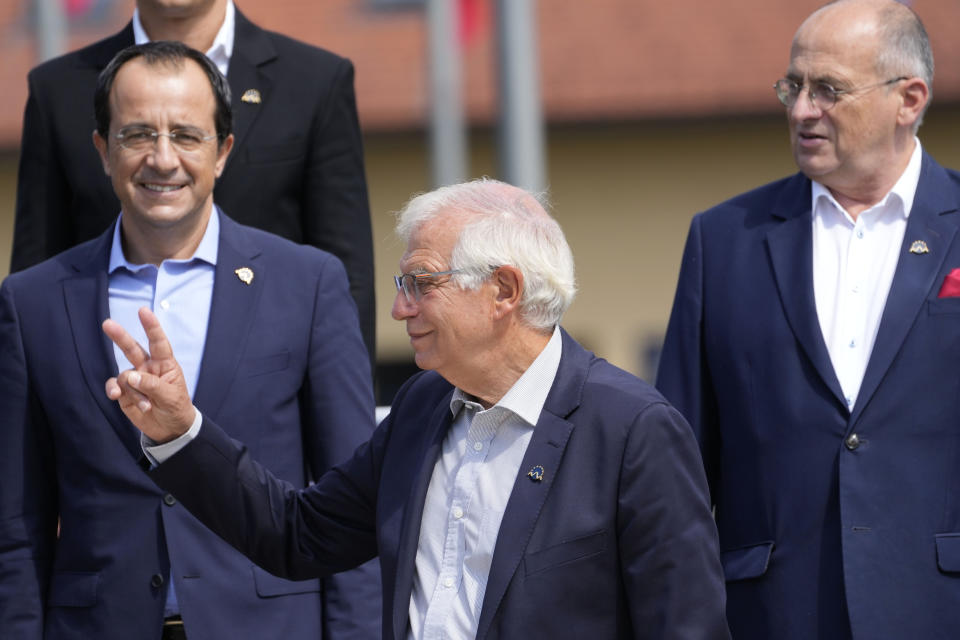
x: 163, y: 156
x: 805, y: 108
x: 402, y: 308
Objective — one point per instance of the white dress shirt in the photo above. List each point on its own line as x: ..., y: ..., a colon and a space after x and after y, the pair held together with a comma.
x: 222, y: 47
x: 853, y: 266
x: 468, y: 493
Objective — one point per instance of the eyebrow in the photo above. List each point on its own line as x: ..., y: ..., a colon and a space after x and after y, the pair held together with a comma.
x: 833, y: 81
x: 173, y: 127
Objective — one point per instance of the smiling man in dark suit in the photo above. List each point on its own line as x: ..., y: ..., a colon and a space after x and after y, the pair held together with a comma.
x: 270, y: 343
x: 297, y: 164
x: 815, y: 351
x: 521, y: 487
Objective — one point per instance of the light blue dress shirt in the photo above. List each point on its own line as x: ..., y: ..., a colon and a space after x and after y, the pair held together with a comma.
x: 179, y: 293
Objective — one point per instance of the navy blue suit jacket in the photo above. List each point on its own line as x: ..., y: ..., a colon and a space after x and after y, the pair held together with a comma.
x: 296, y: 168
x: 615, y: 541
x: 283, y: 365
x: 820, y: 539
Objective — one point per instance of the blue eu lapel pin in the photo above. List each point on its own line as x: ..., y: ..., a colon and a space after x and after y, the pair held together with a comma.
x: 536, y: 474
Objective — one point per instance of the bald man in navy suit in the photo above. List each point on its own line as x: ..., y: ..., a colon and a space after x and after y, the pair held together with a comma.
x: 813, y: 346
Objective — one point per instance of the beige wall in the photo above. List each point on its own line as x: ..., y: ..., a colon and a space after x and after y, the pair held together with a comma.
x: 624, y: 195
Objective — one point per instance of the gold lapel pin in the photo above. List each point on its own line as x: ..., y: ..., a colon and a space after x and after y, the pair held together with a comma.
x: 536, y: 474
x: 251, y: 96
x: 918, y: 247
x: 245, y: 274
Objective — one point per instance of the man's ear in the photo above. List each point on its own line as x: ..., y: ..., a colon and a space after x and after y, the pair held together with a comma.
x: 508, y: 281
x: 101, y: 146
x: 223, y: 152
x: 914, y: 96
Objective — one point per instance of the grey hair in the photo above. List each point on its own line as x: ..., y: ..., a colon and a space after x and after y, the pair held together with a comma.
x: 904, y: 48
x: 505, y: 226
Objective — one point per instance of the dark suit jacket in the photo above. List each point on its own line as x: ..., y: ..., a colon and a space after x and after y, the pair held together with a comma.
x: 296, y: 168
x: 820, y: 539
x: 283, y: 365
x: 616, y: 541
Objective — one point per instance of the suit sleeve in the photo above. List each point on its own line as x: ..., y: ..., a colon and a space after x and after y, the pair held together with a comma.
x: 683, y: 375
x: 42, y: 227
x: 668, y: 541
x: 338, y: 418
x: 28, y: 506
x: 293, y: 533
x: 335, y: 209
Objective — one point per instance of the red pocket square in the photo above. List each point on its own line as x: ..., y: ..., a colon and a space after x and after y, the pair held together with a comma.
x: 951, y: 285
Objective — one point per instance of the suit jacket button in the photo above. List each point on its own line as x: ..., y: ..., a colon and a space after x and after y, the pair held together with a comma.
x: 156, y: 581
x: 852, y: 442
x: 169, y: 500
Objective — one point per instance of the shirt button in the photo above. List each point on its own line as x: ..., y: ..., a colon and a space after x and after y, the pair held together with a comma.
x: 853, y: 344
x: 860, y: 233
x: 448, y: 582
x: 478, y: 446
x: 164, y: 304
x: 852, y: 442
x: 457, y: 513
x: 169, y: 500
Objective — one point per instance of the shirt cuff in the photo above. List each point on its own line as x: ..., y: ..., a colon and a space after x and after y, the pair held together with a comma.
x: 159, y: 453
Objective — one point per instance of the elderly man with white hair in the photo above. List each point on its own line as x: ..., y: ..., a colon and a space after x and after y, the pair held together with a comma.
x: 520, y: 487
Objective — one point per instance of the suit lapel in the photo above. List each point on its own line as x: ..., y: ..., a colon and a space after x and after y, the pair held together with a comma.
x: 231, y: 315
x: 94, y: 349
x: 248, y: 71
x: 915, y: 275
x: 413, y: 515
x: 791, y: 252
x: 549, y: 441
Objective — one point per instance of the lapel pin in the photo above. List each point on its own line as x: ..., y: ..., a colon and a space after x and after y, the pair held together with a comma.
x: 918, y: 247
x: 245, y: 274
x: 251, y: 96
x: 536, y: 474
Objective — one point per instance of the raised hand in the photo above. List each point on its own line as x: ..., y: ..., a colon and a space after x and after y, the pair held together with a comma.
x: 153, y: 395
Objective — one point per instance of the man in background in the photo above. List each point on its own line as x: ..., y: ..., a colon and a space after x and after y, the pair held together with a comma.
x: 269, y: 339
x: 813, y: 346
x: 296, y: 168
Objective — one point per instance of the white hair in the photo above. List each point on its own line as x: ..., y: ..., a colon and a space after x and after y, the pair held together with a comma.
x: 505, y: 226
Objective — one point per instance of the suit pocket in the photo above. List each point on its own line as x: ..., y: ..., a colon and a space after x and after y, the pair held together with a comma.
x: 269, y: 585
x: 73, y: 589
x: 948, y: 552
x: 565, y: 552
x: 746, y: 562
x: 265, y: 364
x: 943, y: 305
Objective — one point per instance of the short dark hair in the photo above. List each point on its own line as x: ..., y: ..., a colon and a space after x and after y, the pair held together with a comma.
x: 173, y: 54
